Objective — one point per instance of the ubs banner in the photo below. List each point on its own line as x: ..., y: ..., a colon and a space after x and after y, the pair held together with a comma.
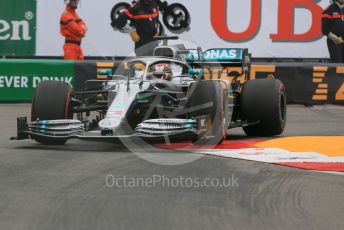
x: 17, y: 27
x: 269, y: 28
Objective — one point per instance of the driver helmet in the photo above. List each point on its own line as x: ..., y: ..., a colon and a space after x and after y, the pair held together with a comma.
x: 161, y: 71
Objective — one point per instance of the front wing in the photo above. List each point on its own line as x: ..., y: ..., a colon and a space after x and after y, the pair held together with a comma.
x: 155, y: 130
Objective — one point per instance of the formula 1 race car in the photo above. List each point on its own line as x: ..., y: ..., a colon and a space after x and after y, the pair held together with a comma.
x: 160, y: 98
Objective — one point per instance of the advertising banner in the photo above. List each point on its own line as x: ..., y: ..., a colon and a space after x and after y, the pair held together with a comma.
x: 305, y: 83
x: 17, y: 27
x: 19, y: 78
x: 268, y: 28
x: 308, y: 84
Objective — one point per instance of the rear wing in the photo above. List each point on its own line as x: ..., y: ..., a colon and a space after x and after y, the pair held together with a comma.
x: 222, y: 55
x: 225, y: 57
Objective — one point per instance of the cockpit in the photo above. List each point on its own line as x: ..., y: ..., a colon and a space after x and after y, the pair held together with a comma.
x: 165, y: 70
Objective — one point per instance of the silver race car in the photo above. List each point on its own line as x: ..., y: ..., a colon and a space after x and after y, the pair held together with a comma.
x: 165, y: 97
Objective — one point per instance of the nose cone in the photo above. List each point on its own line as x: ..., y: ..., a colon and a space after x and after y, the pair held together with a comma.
x: 109, y: 123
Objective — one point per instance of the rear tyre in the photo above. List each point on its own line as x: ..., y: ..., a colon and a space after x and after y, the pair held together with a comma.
x: 264, y: 101
x: 207, y: 100
x: 51, y: 101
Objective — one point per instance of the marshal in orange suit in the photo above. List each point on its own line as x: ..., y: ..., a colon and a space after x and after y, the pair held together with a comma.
x: 73, y: 28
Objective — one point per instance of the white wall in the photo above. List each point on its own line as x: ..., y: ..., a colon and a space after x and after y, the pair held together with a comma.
x: 102, y: 40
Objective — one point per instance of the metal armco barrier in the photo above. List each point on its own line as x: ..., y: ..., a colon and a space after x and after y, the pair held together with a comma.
x: 306, y: 83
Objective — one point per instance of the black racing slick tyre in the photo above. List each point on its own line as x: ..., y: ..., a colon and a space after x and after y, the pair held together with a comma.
x: 206, y: 101
x: 264, y: 101
x: 51, y: 101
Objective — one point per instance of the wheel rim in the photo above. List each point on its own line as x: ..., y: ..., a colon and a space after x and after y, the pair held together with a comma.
x: 282, y: 107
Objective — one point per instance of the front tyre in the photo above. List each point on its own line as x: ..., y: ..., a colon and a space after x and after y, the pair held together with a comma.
x: 51, y: 101
x: 264, y: 101
x: 206, y: 102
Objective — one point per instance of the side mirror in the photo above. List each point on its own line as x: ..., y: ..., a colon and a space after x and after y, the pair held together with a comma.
x: 199, y: 72
x: 104, y: 72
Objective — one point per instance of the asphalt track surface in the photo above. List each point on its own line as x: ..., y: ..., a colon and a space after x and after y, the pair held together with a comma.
x: 49, y: 187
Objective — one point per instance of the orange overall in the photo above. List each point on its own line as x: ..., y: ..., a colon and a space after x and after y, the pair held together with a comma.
x: 73, y: 28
